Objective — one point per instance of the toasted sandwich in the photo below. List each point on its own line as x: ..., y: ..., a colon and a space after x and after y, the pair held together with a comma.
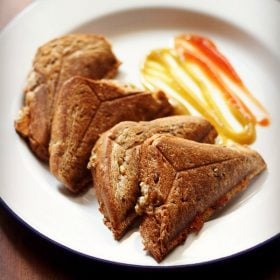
x: 183, y: 183
x: 86, y: 108
x: 54, y: 63
x: 115, y: 158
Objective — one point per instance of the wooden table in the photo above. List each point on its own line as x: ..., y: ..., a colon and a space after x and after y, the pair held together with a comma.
x: 26, y: 255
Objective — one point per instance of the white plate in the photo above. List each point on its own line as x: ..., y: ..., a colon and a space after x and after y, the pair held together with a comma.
x: 246, y: 31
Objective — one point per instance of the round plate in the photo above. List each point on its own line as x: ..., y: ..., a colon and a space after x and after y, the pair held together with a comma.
x: 245, y: 31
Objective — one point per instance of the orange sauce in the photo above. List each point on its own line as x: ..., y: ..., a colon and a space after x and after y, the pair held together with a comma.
x: 199, y: 79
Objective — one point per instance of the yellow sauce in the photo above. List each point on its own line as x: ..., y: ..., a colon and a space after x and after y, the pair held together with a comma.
x: 195, y: 82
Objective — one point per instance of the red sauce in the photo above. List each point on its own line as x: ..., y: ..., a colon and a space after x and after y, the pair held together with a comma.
x: 207, y: 48
x: 199, y: 77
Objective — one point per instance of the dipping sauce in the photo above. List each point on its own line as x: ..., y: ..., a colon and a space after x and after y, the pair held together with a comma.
x: 200, y: 80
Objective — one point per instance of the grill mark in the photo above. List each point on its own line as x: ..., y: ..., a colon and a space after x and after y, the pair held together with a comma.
x: 53, y: 100
x: 177, y: 172
x: 209, y: 164
x: 85, y: 130
x: 92, y: 118
x: 195, y: 167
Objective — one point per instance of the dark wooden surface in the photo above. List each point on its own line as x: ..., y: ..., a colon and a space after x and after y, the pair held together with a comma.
x: 25, y: 255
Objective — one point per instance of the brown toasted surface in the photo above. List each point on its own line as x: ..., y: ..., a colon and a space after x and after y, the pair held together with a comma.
x: 86, y: 108
x: 54, y: 63
x: 115, y: 159
x: 201, y: 178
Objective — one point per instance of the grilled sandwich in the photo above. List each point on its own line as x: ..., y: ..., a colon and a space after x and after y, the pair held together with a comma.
x: 115, y: 158
x: 54, y: 63
x: 86, y: 108
x: 183, y: 183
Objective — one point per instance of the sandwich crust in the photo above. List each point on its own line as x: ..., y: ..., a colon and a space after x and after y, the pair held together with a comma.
x: 192, y: 181
x: 115, y: 158
x: 86, y: 108
x: 54, y: 63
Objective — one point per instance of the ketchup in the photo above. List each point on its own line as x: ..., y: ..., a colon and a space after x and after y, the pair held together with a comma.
x: 199, y: 79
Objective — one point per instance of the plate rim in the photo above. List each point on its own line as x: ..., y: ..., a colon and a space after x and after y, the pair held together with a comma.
x: 128, y: 265
x: 6, y: 29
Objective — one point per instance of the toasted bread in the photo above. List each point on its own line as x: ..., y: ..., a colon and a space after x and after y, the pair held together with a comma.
x: 86, y: 108
x: 183, y: 183
x: 114, y: 163
x: 55, y: 62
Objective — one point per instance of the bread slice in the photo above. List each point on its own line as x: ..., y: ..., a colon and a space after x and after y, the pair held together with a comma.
x: 183, y: 183
x: 54, y: 63
x: 114, y: 163
x: 86, y: 108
